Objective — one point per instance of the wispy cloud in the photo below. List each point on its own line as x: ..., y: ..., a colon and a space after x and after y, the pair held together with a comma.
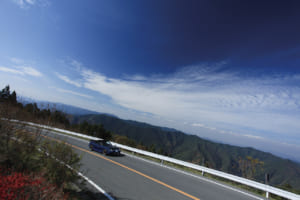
x: 253, y: 136
x: 22, y: 70
x: 9, y: 70
x: 31, y: 71
x: 78, y: 66
x: 198, y: 125
x: 68, y: 80
x: 25, y: 4
x: 74, y: 93
x: 17, y: 61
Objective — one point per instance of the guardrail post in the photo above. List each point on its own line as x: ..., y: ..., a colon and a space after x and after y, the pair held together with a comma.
x: 162, y: 162
x: 202, y: 165
x: 267, y: 179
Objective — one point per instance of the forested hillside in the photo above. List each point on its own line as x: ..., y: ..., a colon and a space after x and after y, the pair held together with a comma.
x: 246, y: 162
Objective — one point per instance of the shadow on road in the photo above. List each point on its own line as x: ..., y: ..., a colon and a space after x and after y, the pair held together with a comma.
x: 121, y: 155
x: 87, y: 195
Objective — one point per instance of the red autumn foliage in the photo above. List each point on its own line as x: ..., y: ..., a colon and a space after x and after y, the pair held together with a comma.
x: 21, y: 186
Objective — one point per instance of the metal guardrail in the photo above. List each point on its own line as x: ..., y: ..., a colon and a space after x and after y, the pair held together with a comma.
x: 268, y: 189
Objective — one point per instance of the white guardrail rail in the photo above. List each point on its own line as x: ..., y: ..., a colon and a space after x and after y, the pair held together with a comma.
x: 268, y: 189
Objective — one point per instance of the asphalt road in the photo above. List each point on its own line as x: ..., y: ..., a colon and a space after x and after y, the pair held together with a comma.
x: 131, y: 178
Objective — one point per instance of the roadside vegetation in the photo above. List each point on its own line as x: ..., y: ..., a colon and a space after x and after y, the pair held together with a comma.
x: 32, y: 167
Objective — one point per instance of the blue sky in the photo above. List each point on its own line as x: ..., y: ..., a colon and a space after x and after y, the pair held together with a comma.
x: 228, y: 71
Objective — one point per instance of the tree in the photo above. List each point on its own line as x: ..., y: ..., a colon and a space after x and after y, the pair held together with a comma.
x: 249, y: 166
x: 60, y: 117
x: 13, y: 98
x: 152, y: 148
x: 5, y: 92
x: 55, y: 156
x: 124, y: 140
x: 29, y: 108
x: 6, y: 96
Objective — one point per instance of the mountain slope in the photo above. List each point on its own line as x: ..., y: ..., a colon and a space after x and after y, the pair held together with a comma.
x: 191, y: 148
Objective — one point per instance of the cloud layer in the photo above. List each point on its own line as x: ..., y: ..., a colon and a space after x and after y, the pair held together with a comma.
x: 22, y: 70
x: 208, y: 97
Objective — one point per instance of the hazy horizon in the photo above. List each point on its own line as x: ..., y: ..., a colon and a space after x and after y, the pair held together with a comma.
x: 63, y: 107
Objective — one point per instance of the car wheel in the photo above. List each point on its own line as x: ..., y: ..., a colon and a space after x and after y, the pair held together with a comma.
x: 105, y: 151
x: 92, y: 148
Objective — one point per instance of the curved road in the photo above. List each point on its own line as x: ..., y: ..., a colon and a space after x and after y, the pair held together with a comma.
x: 131, y: 178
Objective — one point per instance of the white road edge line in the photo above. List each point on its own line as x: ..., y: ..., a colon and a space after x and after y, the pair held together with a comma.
x: 96, y: 186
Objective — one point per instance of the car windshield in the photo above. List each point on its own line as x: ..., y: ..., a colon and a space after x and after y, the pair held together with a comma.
x: 107, y: 143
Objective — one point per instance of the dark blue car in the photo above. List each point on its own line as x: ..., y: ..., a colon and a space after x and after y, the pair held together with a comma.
x: 104, y: 146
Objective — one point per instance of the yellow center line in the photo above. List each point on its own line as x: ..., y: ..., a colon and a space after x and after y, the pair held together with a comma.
x: 130, y: 169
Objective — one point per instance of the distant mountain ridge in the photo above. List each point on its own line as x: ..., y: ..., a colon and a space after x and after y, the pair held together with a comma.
x: 68, y: 109
x: 192, y: 148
